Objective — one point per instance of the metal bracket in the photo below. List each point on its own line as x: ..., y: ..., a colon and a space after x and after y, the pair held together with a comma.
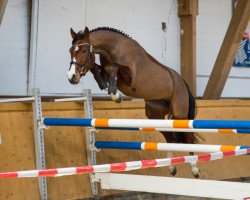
x: 94, y: 179
x: 93, y: 148
x: 93, y: 129
x: 42, y: 126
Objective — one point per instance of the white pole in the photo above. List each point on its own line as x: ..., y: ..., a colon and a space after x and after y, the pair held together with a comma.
x: 71, y: 99
x: 17, y: 99
x: 175, y: 186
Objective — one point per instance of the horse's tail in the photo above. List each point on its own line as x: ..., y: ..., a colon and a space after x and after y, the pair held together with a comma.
x: 192, y: 104
x: 190, y: 137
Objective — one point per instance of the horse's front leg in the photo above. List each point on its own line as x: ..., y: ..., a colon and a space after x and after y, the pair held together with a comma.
x: 96, y: 71
x: 112, y: 70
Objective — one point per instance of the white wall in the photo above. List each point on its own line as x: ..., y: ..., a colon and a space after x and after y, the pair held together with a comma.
x: 49, y: 71
x: 14, y: 48
x: 141, y: 19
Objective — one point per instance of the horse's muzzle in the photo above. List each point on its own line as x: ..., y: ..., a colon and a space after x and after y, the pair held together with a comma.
x: 74, y: 80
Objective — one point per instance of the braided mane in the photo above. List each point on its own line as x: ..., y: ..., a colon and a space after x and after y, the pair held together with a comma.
x: 79, y: 35
x: 110, y: 29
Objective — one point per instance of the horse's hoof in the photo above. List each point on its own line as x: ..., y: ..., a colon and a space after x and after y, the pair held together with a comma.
x: 173, y: 171
x: 196, y: 172
x: 118, y: 100
x: 116, y: 97
x: 197, y: 175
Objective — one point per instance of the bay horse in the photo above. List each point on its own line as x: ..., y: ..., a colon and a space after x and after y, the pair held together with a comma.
x: 127, y: 67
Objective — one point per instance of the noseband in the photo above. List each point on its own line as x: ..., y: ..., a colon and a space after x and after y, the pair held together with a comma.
x: 88, y: 60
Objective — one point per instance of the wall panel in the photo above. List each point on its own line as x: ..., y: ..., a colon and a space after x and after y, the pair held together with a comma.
x: 14, y: 48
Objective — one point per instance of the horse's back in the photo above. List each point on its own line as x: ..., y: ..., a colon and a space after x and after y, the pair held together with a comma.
x: 149, y: 80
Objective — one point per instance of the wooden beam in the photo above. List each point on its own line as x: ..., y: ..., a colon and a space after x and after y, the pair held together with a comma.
x: 3, y: 4
x: 187, y: 11
x: 228, y: 50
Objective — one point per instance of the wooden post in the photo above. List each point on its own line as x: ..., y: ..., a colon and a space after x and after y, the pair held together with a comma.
x: 3, y: 4
x: 187, y: 11
x: 228, y: 50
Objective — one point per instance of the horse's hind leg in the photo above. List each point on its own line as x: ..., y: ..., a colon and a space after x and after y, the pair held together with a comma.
x: 180, y: 107
x: 194, y: 168
x: 158, y: 109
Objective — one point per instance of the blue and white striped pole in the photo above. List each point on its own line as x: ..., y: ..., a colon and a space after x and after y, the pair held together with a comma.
x: 147, y: 124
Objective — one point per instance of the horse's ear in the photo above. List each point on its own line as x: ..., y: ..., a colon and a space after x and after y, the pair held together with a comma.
x: 86, y: 32
x: 73, y: 33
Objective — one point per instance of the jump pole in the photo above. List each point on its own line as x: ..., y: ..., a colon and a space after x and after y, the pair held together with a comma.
x: 24, y: 99
x: 188, y: 187
x: 187, y: 130
x: 151, y: 146
x: 148, y: 123
x: 125, y: 166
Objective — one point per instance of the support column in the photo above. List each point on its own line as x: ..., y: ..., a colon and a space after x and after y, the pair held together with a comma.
x: 187, y: 11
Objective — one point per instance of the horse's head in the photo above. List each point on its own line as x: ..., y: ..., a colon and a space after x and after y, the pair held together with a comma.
x: 82, y: 57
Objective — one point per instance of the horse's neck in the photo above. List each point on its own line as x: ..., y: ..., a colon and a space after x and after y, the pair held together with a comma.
x: 106, y: 44
x: 103, y: 40
x: 100, y: 39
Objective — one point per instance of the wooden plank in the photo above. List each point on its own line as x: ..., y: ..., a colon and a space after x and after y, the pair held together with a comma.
x: 176, y: 186
x: 108, y: 105
x: 228, y: 49
x: 187, y: 11
x: 17, y: 152
x: 3, y: 4
x: 97, y: 105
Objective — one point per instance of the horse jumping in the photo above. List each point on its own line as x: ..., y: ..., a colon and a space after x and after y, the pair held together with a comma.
x: 127, y: 67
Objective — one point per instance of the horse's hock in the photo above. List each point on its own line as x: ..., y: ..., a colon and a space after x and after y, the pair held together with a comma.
x: 65, y: 146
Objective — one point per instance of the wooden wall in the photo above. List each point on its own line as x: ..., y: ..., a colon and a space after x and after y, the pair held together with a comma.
x: 65, y: 146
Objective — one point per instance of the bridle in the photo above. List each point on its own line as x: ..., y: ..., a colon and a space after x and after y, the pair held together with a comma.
x: 84, y: 66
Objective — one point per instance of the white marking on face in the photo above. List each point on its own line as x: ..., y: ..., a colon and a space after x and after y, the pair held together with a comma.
x: 76, y: 48
x: 74, y: 59
x: 72, y: 72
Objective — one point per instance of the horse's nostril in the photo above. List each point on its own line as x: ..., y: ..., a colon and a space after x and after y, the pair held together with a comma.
x: 73, y: 76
